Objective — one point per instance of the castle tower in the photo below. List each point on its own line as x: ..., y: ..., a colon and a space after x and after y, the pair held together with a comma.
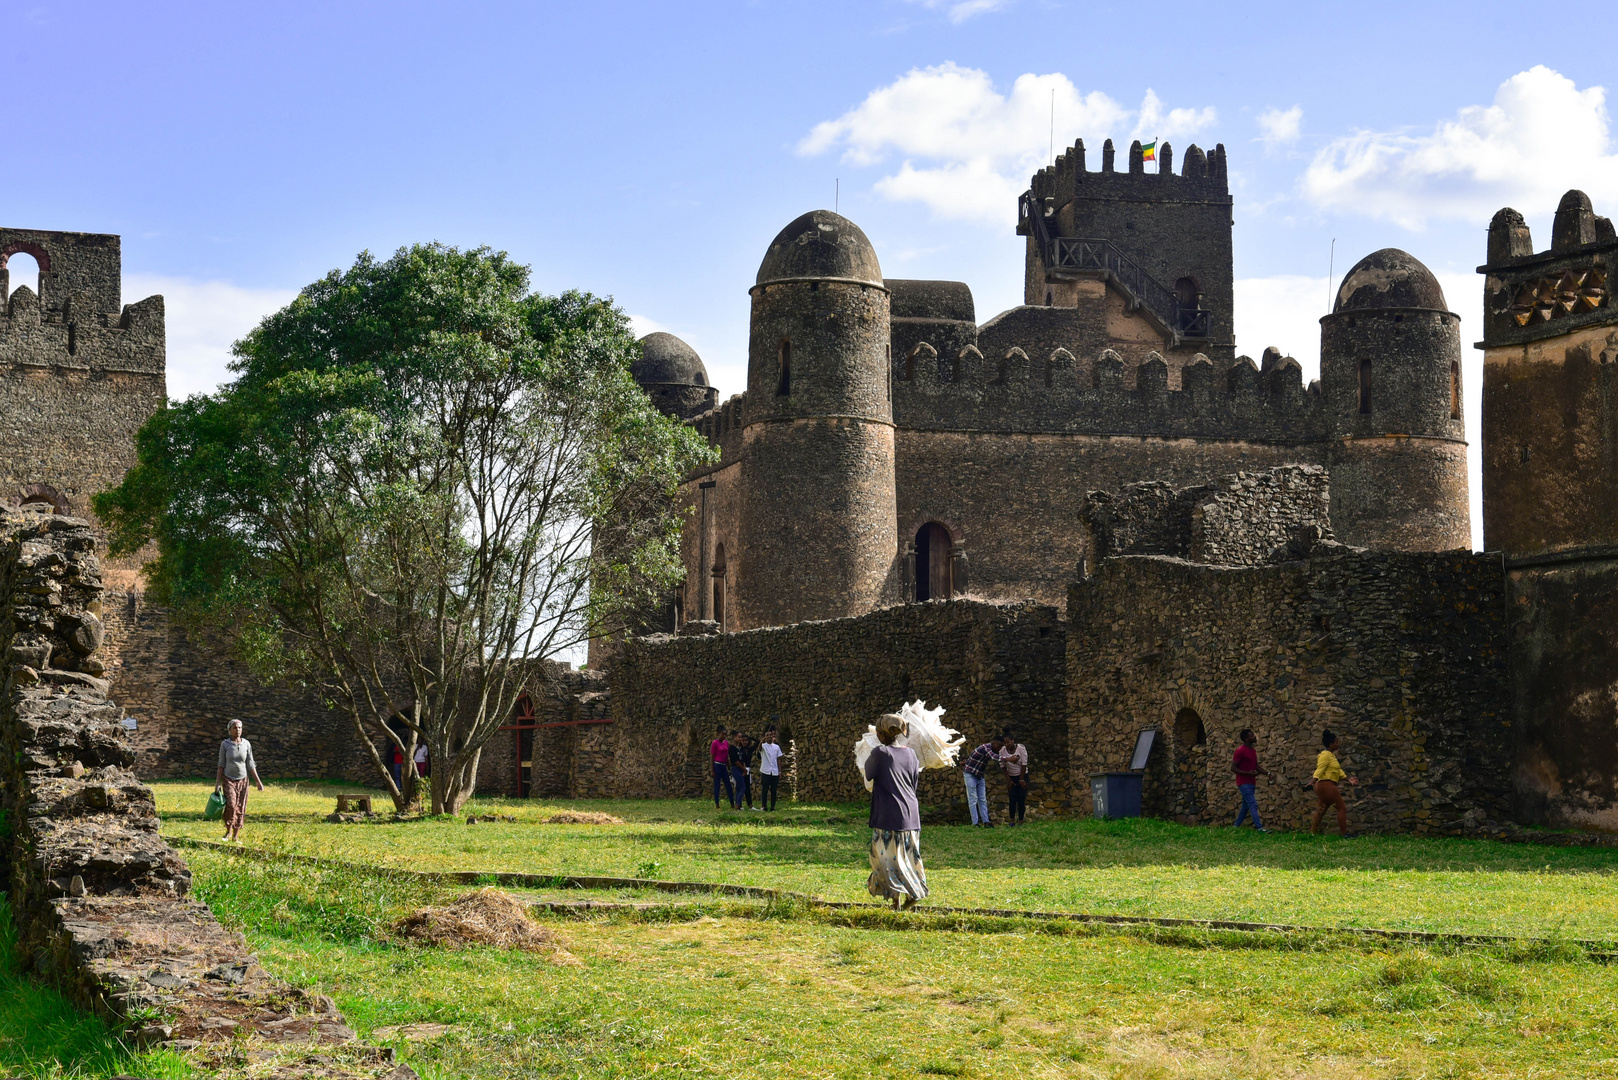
x: 1390, y: 373
x: 817, y: 531
x: 1144, y: 257
x: 673, y: 376
x: 1550, y: 384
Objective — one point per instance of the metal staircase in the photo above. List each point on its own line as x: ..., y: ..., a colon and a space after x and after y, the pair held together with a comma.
x: 1104, y: 257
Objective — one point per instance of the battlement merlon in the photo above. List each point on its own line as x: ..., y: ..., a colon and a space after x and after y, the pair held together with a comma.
x: 1532, y: 297
x: 1202, y: 177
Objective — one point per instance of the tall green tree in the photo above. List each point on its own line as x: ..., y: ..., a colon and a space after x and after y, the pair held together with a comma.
x: 422, y: 480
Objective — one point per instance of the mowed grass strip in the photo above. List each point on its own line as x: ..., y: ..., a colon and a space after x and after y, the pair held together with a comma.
x: 791, y: 995
x: 1138, y: 867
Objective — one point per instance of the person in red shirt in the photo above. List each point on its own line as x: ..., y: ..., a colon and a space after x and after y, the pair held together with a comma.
x: 719, y: 749
x: 1244, y: 763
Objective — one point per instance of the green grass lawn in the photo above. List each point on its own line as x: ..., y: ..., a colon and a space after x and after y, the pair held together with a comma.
x: 1138, y: 867
x: 737, y: 993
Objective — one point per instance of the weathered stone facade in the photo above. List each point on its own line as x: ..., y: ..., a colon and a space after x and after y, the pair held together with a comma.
x: 98, y: 896
x: 1239, y: 520
x: 1402, y: 654
x: 1550, y: 502
x: 821, y: 684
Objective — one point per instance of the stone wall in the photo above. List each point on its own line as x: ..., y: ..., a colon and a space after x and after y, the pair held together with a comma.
x: 1564, y: 664
x: 1403, y: 655
x: 98, y: 896
x: 821, y: 684
x: 1243, y: 519
x: 990, y: 665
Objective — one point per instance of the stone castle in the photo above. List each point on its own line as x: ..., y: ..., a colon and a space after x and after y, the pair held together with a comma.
x: 889, y: 449
x: 1086, y: 517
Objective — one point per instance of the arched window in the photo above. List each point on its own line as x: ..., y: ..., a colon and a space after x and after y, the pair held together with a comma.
x: 21, y: 269
x: 783, y: 385
x: 1365, y: 386
x: 935, y: 567
x: 1049, y: 297
x: 41, y: 498
x: 719, y: 585
x: 1454, y: 390
x: 1188, y: 730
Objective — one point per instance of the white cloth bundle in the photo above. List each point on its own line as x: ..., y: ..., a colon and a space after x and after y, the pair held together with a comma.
x: 936, y: 746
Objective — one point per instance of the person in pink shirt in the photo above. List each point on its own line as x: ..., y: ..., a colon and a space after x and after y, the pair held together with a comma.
x: 719, y: 749
x: 1244, y: 763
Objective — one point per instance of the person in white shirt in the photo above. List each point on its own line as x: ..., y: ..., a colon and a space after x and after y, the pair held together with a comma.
x: 421, y: 759
x: 769, y: 770
x: 1014, y: 759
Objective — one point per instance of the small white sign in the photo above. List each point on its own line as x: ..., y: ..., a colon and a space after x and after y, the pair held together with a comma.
x: 129, y: 723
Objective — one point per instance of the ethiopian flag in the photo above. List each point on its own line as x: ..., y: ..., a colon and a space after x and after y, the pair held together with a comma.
x: 1149, y: 151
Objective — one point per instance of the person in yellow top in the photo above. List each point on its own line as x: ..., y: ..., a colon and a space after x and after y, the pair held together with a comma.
x: 1328, y: 774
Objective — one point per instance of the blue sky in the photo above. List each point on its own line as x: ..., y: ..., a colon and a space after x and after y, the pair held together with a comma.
x: 651, y: 151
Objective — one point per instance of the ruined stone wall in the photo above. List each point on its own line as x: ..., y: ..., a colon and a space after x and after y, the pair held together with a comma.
x: 1238, y: 520
x: 1014, y: 501
x: 98, y: 896
x: 990, y: 665
x: 1403, y: 655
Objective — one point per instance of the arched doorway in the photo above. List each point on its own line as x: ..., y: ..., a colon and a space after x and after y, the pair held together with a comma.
x: 1189, y: 785
x: 935, y: 567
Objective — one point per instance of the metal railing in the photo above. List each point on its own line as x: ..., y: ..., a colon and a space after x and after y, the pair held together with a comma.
x: 1079, y: 253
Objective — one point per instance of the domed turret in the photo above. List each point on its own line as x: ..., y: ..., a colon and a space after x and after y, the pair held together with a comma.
x: 672, y: 374
x: 820, y: 245
x: 819, y: 530
x: 1389, y: 278
x: 1390, y: 372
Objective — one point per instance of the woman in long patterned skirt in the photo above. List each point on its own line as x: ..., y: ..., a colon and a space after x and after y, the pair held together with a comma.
x: 896, y: 870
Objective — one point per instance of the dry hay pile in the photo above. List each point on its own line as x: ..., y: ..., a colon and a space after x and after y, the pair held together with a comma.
x: 582, y: 817
x: 486, y: 917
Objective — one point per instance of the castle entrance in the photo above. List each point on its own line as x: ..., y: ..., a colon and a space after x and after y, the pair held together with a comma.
x: 935, y: 572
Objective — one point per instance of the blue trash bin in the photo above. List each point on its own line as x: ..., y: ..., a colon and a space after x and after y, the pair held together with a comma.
x: 1116, y: 794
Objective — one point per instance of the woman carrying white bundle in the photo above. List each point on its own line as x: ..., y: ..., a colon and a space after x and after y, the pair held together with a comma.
x: 892, y: 771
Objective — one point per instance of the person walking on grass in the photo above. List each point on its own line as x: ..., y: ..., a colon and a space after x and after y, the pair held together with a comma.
x: 741, y: 770
x: 1014, y: 760
x: 977, y: 784
x: 1244, y: 763
x: 896, y: 870
x: 236, y: 765
x: 769, y: 770
x: 719, y: 751
x: 1328, y: 774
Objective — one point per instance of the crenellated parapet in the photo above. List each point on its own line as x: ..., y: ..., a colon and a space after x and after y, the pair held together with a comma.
x: 1202, y: 173
x: 1037, y: 390
x: 76, y: 319
x: 722, y: 426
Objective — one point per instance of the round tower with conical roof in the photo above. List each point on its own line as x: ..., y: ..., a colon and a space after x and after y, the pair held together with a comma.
x: 1390, y: 372
x: 818, y: 532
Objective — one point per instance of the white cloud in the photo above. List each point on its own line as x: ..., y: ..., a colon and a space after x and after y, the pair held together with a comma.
x: 968, y: 149
x: 959, y: 11
x: 1541, y: 136
x: 1155, y: 123
x: 1279, y: 126
x: 204, y: 318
